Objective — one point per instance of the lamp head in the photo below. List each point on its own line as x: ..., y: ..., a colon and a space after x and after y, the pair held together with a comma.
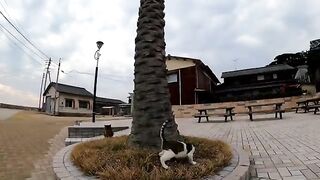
x: 99, y: 44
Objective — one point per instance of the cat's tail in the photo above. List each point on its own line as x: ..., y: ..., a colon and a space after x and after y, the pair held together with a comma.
x: 163, y: 139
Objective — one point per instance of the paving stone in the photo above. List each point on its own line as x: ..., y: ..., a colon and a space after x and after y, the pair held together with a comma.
x: 267, y: 170
x: 294, y: 178
x: 314, y: 168
x: 274, y: 175
x: 301, y: 167
x: 284, y: 172
x: 309, y: 174
x: 296, y: 172
x: 263, y: 175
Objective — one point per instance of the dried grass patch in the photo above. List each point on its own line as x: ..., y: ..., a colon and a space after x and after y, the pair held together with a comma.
x: 111, y: 158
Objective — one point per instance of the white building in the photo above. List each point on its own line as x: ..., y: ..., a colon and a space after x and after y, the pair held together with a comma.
x: 70, y: 100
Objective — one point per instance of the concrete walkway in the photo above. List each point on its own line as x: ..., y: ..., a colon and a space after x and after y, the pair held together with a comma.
x: 43, y: 167
x: 279, y: 149
x: 27, y: 143
x: 7, y: 113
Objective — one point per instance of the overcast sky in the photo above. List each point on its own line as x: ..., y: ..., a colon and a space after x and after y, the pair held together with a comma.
x: 224, y: 34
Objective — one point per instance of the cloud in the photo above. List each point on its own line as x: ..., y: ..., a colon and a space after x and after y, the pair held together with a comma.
x: 12, y: 95
x: 217, y: 32
x: 248, y: 40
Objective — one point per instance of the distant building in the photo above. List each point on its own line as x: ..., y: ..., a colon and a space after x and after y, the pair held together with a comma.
x: 314, y: 63
x: 305, y: 61
x: 76, y: 101
x: 70, y: 100
x: 256, y: 83
x: 107, y: 106
x: 126, y: 109
x: 190, y: 81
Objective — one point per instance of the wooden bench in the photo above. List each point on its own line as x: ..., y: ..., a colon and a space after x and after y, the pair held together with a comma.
x: 203, y: 113
x: 315, y: 107
x: 201, y: 116
x: 277, y: 110
x: 304, y: 104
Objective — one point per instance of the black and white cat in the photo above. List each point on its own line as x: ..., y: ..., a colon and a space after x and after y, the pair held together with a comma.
x: 174, y: 149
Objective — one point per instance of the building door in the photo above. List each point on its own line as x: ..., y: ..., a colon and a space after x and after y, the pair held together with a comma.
x: 48, y: 105
x: 52, y: 105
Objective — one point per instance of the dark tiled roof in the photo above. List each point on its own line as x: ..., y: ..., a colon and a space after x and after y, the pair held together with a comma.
x: 107, y: 100
x: 261, y: 70
x: 63, y: 88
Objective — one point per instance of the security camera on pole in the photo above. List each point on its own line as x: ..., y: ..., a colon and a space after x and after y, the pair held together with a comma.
x: 96, y: 57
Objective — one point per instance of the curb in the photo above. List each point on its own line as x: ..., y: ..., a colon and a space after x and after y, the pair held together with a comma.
x: 241, y: 171
x: 65, y: 170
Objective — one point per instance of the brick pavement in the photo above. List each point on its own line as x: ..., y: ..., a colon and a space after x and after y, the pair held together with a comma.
x: 43, y: 167
x: 279, y: 149
x: 25, y: 140
x: 287, y: 149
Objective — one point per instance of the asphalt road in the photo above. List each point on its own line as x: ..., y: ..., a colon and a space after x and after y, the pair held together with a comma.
x: 7, y: 113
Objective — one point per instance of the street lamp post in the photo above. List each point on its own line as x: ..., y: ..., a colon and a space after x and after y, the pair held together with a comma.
x: 96, y: 57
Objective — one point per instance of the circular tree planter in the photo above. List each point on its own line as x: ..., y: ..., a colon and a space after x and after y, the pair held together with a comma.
x: 64, y: 168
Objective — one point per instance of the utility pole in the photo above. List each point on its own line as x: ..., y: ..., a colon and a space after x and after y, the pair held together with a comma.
x: 56, y: 87
x: 45, y: 79
x: 41, y: 91
x: 49, y: 77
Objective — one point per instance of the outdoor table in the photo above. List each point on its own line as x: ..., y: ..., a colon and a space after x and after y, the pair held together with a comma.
x: 305, y: 104
x: 203, y: 112
x: 276, y: 110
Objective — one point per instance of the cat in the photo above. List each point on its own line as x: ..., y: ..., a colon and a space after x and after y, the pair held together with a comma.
x: 174, y: 149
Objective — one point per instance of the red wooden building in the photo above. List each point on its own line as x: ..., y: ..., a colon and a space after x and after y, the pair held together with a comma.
x: 190, y: 81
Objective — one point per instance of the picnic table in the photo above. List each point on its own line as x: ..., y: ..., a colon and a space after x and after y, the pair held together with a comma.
x: 305, y: 105
x: 203, y: 113
x: 256, y: 108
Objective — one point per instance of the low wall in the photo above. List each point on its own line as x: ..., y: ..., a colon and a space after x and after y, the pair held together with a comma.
x: 89, y: 131
x: 10, y: 106
x: 187, y: 111
x: 74, y: 114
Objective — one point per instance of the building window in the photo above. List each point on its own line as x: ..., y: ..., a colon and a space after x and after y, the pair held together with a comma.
x: 69, y: 103
x: 260, y: 77
x: 84, y: 104
x: 172, y: 78
x: 275, y: 76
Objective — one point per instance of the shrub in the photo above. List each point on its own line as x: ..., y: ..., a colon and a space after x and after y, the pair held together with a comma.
x: 111, y: 158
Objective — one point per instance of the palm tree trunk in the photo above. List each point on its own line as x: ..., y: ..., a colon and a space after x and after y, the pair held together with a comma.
x: 151, y: 95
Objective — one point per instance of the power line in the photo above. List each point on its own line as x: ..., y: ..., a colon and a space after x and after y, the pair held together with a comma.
x: 5, y: 2
x: 4, y: 9
x: 21, y: 48
x: 23, y: 35
x: 10, y: 17
x: 20, y: 41
x: 104, y: 76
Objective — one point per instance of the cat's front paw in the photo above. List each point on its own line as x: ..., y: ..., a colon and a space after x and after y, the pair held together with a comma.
x: 194, y: 163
